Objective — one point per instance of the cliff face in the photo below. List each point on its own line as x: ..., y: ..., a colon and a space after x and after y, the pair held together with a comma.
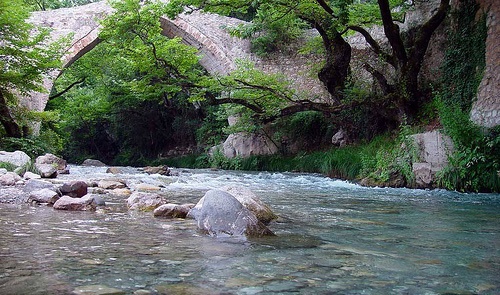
x: 486, y: 110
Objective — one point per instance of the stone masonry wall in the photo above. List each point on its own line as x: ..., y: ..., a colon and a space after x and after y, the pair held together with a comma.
x: 486, y: 110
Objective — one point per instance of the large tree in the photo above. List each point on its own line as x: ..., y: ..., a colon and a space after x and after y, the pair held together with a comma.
x: 333, y: 20
x: 25, y: 58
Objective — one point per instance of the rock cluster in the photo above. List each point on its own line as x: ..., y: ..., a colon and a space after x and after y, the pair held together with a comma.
x: 229, y: 211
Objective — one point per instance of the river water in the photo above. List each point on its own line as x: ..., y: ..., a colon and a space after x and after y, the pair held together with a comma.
x: 333, y: 237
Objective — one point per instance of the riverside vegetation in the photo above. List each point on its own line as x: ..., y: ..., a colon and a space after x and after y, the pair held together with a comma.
x: 138, y: 95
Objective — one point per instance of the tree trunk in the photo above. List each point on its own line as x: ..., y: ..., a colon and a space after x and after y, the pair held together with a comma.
x: 409, y: 56
x: 12, y: 129
x: 336, y: 69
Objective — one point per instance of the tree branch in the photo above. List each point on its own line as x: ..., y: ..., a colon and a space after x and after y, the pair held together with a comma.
x: 374, y: 45
x: 392, y: 32
x: 67, y: 88
x: 326, y: 8
x: 382, y: 81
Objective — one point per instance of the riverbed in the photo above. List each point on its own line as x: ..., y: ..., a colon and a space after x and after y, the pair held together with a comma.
x: 332, y: 237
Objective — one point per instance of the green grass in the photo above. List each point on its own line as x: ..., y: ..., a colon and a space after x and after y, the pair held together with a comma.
x: 345, y: 163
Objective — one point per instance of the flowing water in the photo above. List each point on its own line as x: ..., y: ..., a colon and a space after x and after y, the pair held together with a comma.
x: 333, y: 237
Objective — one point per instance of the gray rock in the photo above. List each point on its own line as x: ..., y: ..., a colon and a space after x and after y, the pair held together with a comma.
x: 99, y: 201
x: 219, y: 213
x: 37, y: 184
x: 30, y: 175
x: 12, y: 195
x: 424, y: 176
x: 85, y: 203
x: 110, y: 184
x: 114, y: 170
x: 162, y: 170
x: 244, y: 144
x: 74, y: 189
x: 340, y: 138
x: 17, y: 158
x: 46, y: 170
x: 9, y: 179
x: 144, y: 201
x: 173, y: 210
x: 92, y: 162
x: 60, y: 164
x: 3, y: 171
x: 248, y: 199
x: 44, y: 195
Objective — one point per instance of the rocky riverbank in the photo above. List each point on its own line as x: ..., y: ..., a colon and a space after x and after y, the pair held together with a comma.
x: 226, y: 211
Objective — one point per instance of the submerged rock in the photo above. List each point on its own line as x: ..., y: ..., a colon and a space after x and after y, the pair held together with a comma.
x: 219, y: 213
x: 97, y: 290
x: 173, y: 210
x: 111, y: 184
x: 145, y: 201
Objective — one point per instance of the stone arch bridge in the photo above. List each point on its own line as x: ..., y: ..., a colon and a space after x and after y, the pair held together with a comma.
x: 218, y: 50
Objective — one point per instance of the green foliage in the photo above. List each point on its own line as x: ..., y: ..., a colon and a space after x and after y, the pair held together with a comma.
x: 464, y: 63
x: 33, y: 147
x: 9, y: 166
x: 386, y: 158
x: 475, y: 163
x: 25, y: 58
x: 270, y: 30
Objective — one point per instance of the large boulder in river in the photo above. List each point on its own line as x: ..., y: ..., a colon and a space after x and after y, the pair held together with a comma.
x: 59, y: 163
x: 46, y: 170
x: 74, y: 189
x: 248, y: 199
x: 145, y: 201
x: 219, y: 213
x: 44, y: 195
x: 17, y: 158
x: 85, y: 203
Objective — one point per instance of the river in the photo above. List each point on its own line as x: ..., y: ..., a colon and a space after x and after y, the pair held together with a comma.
x: 333, y: 237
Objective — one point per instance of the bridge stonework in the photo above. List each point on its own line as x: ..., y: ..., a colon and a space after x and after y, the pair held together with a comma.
x: 218, y: 50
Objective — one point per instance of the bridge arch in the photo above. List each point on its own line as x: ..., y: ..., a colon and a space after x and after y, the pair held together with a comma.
x: 218, y: 50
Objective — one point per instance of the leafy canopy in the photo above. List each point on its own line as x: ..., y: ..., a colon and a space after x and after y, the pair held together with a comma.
x: 26, y: 56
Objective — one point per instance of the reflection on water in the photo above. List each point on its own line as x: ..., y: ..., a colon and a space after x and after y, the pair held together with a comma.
x: 332, y: 238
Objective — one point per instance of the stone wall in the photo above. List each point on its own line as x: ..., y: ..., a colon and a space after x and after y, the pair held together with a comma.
x: 486, y: 110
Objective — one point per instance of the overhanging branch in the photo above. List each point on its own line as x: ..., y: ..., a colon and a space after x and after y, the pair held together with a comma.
x: 67, y: 88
